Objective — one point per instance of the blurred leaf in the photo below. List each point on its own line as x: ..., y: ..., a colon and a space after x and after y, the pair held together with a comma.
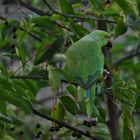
x: 6, y: 83
x: 82, y: 108
x: 57, y: 17
x: 47, y: 53
x: 8, y: 29
x: 10, y: 119
x: 12, y: 56
x: 69, y: 104
x: 58, y: 112
x: 33, y: 87
x: 21, y: 51
x: 72, y: 89
x: 128, y: 127
x: 100, y: 131
x: 2, y: 129
x: 137, y: 106
x: 3, y: 108
x: 7, y: 137
x: 15, y: 100
x: 129, y: 7
x: 121, y: 28
x: 54, y: 78
x: 96, y: 4
x: 24, y: 89
x: 79, y: 30
x: 95, y: 111
x: 114, y: 10
x: 65, y: 6
x: 46, y: 23
x: 3, y: 70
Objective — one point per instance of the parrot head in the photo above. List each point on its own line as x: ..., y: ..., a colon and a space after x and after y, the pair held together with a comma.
x: 102, y: 38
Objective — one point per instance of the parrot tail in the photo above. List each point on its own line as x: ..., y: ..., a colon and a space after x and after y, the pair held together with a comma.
x: 90, y: 95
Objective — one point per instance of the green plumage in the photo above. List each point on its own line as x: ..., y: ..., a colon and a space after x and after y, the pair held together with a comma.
x: 85, y: 60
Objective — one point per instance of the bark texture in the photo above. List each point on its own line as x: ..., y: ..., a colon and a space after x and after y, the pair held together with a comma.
x: 113, y: 113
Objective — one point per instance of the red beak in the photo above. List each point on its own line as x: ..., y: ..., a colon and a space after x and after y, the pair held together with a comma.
x: 109, y: 44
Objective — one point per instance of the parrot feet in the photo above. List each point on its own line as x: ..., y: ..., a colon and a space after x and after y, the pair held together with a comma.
x: 107, y: 73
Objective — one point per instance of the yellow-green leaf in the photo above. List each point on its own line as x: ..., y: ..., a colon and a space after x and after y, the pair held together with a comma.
x: 69, y: 104
x: 121, y: 28
x: 58, y: 112
x: 65, y: 6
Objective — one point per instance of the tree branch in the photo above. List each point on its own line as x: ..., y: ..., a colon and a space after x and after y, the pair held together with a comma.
x: 128, y: 56
x: 23, y: 77
x: 64, y: 124
x: 113, y: 113
x: 31, y: 8
x: 29, y: 77
x: 39, y: 12
x: 22, y: 29
x: 77, y: 17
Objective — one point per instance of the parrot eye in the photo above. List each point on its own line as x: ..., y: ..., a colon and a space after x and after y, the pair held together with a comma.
x: 107, y: 36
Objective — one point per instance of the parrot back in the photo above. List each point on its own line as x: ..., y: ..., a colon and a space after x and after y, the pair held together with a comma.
x: 84, y: 59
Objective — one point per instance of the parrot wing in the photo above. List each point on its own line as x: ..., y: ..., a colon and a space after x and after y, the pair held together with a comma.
x: 93, y: 78
x: 84, y: 60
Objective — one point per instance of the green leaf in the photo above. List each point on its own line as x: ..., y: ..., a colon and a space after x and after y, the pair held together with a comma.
x: 47, y: 53
x: 69, y: 104
x: 58, y: 112
x: 3, y: 70
x: 96, y: 4
x: 129, y: 7
x: 33, y: 87
x: 7, y: 137
x: 137, y: 106
x: 45, y: 22
x: 21, y: 51
x: 2, y: 129
x: 12, y: 56
x: 15, y: 120
x: 101, y: 131
x: 4, y: 118
x: 128, y: 127
x: 7, y: 30
x: 82, y: 108
x: 95, y: 111
x: 23, y: 89
x: 10, y: 119
x: 54, y: 78
x: 16, y: 100
x: 3, y: 108
x: 6, y: 83
x: 79, y: 30
x: 65, y: 6
x: 72, y: 89
x: 121, y: 28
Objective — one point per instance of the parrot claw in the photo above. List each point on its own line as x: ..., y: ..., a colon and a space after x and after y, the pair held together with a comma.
x: 107, y: 73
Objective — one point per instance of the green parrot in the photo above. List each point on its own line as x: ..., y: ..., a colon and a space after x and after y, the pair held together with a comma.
x: 85, y: 63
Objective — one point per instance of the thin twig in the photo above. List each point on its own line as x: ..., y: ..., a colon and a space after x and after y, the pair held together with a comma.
x: 64, y: 124
x: 29, y: 77
x: 39, y: 12
x: 30, y: 7
x: 22, y: 29
x: 24, y: 63
x: 31, y: 34
x: 14, y: 11
x: 128, y: 56
x: 75, y: 16
x: 23, y: 77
